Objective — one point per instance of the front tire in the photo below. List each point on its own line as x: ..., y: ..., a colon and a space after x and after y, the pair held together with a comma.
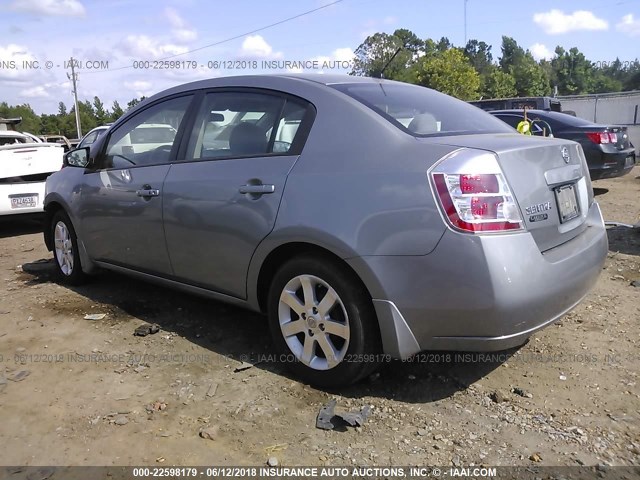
x: 323, y: 322
x: 65, y: 250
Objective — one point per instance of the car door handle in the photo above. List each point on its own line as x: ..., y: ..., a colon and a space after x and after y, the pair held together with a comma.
x: 259, y: 189
x: 148, y: 192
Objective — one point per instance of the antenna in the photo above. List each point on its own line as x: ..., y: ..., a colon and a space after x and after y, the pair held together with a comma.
x: 465, y: 22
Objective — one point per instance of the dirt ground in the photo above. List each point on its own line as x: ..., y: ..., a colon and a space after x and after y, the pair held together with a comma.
x: 75, y: 391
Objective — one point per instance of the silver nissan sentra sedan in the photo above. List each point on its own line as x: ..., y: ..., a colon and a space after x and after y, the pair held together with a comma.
x: 367, y: 218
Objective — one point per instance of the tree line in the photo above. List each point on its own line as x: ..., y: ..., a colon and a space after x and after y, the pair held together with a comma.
x: 92, y: 114
x: 470, y: 72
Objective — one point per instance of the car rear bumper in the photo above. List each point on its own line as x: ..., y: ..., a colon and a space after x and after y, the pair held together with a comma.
x: 7, y: 191
x: 482, y: 293
x: 613, y: 165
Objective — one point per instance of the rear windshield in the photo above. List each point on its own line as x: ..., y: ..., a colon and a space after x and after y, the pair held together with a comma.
x: 12, y: 140
x: 423, y: 112
x: 566, y: 119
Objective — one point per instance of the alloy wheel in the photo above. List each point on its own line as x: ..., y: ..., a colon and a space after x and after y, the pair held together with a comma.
x: 314, y: 322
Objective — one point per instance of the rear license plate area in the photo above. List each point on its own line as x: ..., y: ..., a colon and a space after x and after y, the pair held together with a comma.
x: 29, y: 200
x: 567, y: 201
x: 630, y: 161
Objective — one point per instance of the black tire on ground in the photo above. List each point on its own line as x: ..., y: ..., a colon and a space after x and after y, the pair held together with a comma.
x: 74, y: 275
x: 364, y: 347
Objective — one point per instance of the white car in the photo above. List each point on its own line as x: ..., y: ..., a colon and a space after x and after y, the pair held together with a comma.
x: 24, y: 168
x: 92, y: 136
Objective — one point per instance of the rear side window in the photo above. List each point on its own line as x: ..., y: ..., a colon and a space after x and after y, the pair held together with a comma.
x: 241, y: 124
x: 12, y: 140
x: 514, y: 120
x: 560, y: 121
x: 421, y: 111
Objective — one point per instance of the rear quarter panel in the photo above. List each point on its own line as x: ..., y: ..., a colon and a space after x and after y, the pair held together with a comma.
x: 360, y: 184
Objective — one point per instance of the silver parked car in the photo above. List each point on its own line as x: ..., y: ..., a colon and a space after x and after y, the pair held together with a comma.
x: 365, y: 217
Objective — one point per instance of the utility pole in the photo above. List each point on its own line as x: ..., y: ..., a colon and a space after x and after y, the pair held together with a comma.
x: 74, y: 78
x: 465, y: 22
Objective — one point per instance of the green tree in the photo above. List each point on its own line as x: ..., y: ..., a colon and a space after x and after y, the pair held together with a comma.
x: 135, y: 102
x: 449, y: 72
x: 531, y: 79
x: 116, y: 111
x: 100, y: 112
x: 30, y: 121
x: 498, y: 84
x: 572, y: 73
x: 381, y: 49
x: 479, y: 55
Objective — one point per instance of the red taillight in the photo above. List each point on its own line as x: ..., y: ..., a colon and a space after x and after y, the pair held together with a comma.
x: 485, y: 207
x: 473, y: 194
x: 479, y: 184
x: 476, y: 213
x: 602, y: 137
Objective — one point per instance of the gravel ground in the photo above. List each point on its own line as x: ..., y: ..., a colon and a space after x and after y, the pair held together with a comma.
x: 78, y: 391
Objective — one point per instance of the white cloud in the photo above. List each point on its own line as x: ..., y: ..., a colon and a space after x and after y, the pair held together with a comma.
x: 555, y: 22
x: 181, y: 29
x: 35, y: 92
x: 540, y: 51
x: 340, y: 58
x: 139, y: 87
x: 61, y: 8
x: 16, y: 54
x: 147, y: 48
x: 343, y: 54
x: 629, y: 25
x: 256, y: 46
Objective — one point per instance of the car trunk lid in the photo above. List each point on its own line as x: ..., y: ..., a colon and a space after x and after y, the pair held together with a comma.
x: 28, y: 159
x: 549, y: 179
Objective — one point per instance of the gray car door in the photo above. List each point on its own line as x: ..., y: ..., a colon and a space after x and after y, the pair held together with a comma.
x: 121, y: 199
x: 223, y: 198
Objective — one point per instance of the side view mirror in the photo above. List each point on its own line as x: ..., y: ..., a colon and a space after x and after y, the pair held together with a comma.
x: 77, y: 158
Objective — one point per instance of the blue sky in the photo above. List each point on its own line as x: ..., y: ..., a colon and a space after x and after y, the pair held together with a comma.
x: 121, y: 31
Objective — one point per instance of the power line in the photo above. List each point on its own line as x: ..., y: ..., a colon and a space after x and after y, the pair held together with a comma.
x: 230, y: 39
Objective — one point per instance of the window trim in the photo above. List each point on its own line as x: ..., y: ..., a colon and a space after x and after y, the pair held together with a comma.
x: 177, y: 143
x: 299, y: 141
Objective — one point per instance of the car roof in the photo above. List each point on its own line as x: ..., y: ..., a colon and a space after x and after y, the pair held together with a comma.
x: 11, y: 133
x: 284, y: 79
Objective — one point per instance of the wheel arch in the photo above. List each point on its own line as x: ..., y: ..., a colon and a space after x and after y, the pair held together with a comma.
x: 53, y: 205
x: 278, y: 255
x: 50, y: 210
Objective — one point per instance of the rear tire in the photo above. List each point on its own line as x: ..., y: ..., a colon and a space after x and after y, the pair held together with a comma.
x: 323, y: 322
x: 65, y: 250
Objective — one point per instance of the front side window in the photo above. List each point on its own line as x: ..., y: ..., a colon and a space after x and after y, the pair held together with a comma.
x: 148, y: 137
x: 238, y: 124
x: 421, y: 112
x: 89, y: 139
